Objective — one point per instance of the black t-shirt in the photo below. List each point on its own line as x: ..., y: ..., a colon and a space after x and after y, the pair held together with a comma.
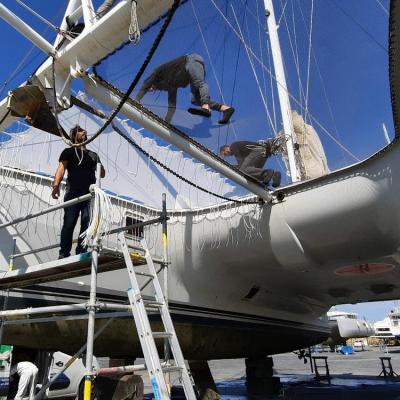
x: 81, y: 168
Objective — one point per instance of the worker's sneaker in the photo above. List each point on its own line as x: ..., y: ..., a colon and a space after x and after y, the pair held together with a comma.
x: 203, y: 112
x: 276, y: 179
x: 226, y: 115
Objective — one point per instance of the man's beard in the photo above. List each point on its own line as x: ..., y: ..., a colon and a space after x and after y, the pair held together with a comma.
x: 81, y: 139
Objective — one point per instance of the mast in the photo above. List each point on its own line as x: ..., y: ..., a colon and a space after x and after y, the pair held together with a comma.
x: 284, y: 100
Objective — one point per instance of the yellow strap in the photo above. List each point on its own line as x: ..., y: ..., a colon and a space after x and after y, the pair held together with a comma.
x: 164, y: 239
x: 87, y: 393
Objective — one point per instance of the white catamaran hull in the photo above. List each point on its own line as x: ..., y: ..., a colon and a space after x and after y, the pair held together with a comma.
x: 253, y: 278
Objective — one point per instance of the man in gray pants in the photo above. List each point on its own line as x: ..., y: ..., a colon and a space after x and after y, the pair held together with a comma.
x: 104, y: 8
x: 251, y: 157
x: 179, y: 73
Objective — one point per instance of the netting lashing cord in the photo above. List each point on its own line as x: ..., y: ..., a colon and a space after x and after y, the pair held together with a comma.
x: 182, y: 178
x: 126, y: 95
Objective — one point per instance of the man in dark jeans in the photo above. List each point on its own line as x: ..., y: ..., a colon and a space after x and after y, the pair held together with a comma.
x: 179, y: 73
x: 81, y: 166
x: 251, y: 157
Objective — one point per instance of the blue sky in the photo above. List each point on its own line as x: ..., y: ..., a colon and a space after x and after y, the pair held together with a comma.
x: 348, y: 90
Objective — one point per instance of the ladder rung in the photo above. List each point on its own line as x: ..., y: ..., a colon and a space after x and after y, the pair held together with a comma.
x: 153, y: 303
x: 172, y: 369
x: 145, y: 274
x: 161, y: 335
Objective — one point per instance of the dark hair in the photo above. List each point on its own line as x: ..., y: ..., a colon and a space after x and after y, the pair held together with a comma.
x: 73, y: 131
x: 223, y: 147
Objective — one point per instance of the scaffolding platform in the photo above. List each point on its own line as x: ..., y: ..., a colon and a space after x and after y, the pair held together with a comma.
x: 65, y: 268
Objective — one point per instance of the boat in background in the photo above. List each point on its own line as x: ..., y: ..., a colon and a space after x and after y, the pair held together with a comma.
x: 389, y: 327
x: 347, y: 325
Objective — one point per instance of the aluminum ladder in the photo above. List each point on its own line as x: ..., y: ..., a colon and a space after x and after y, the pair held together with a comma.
x: 140, y: 308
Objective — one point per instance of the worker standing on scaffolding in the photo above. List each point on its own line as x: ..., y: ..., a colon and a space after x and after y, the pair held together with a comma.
x: 179, y: 73
x: 251, y: 157
x: 81, y: 166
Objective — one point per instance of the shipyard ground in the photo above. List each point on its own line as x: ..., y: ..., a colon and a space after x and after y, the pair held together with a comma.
x: 354, y: 377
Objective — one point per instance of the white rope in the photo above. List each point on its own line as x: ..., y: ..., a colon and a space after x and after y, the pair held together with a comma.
x: 134, y: 30
x: 100, y: 218
x: 80, y: 159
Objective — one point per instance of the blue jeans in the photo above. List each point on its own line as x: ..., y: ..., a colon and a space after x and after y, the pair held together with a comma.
x: 71, y: 215
x: 198, y: 86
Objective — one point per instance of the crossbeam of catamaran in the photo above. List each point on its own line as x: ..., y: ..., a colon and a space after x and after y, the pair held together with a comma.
x: 98, y: 39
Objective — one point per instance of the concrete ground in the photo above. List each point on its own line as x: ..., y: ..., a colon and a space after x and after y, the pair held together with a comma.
x: 354, y: 377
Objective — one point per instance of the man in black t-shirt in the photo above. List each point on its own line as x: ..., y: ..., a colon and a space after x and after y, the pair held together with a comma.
x: 251, y: 157
x: 81, y: 166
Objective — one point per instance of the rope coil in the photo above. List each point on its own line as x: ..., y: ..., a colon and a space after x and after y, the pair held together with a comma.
x: 100, y: 217
x: 134, y: 30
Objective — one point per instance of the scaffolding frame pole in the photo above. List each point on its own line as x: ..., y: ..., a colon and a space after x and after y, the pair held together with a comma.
x: 167, y: 348
x: 7, y: 293
x: 70, y: 361
x: 87, y: 394
x: 56, y: 207
x: 61, y: 309
x: 92, y: 304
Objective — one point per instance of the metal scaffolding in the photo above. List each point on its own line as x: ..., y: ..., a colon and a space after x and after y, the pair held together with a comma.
x: 97, y: 260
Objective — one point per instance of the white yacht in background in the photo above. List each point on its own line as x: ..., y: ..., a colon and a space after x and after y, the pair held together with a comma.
x: 346, y: 325
x: 389, y: 327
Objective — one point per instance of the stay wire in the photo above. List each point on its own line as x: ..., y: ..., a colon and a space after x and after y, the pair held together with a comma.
x: 369, y: 34
x: 132, y: 86
x: 20, y: 67
x: 46, y: 21
x: 289, y: 93
x: 236, y: 68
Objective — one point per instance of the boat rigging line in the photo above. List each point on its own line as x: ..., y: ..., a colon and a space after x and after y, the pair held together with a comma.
x: 79, y: 103
x: 182, y: 178
x: 46, y: 21
x: 292, y: 97
x: 365, y: 30
x: 132, y: 86
x: 99, y: 80
x: 128, y: 42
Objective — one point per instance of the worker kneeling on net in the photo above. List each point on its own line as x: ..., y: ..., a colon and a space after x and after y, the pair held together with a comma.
x: 81, y: 165
x: 251, y: 157
x: 179, y: 73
